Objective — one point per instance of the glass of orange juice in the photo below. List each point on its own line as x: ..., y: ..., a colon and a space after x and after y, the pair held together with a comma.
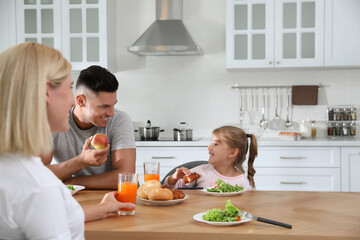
x: 151, y: 171
x: 127, y: 191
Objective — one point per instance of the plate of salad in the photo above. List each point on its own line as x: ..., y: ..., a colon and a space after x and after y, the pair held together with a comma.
x: 230, y: 216
x: 74, y: 188
x: 223, y: 189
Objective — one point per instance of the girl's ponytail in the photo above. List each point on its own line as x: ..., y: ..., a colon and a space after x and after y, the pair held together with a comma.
x: 253, y: 152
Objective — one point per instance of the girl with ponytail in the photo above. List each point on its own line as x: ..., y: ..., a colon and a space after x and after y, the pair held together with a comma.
x: 227, y: 154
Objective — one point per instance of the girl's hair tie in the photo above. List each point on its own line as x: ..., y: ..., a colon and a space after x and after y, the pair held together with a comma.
x: 247, y: 135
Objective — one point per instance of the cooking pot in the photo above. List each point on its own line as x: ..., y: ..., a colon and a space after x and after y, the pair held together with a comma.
x: 149, y: 133
x: 183, y: 134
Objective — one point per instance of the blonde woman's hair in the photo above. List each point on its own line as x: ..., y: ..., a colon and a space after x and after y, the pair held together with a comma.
x: 24, y: 70
x: 237, y: 138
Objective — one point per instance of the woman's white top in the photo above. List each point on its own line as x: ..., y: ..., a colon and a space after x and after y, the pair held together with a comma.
x: 34, y: 203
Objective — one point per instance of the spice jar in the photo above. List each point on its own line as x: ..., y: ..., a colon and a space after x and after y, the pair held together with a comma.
x: 337, y: 114
x: 345, y: 129
x: 330, y: 114
x: 346, y: 114
x: 338, y: 128
x: 313, y: 129
x: 353, y: 114
x: 330, y: 129
x: 352, y: 129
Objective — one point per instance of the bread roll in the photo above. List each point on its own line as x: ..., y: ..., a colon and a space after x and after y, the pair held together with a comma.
x: 192, y: 177
x: 151, y: 185
x: 161, y: 194
x: 141, y: 193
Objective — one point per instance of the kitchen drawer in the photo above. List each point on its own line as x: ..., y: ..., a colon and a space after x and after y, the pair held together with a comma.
x: 169, y: 157
x: 297, y: 179
x: 298, y: 157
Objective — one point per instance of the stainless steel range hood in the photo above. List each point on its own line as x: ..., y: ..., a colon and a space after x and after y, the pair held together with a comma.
x: 167, y: 36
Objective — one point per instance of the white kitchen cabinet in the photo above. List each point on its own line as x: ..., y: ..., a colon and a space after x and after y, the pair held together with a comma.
x: 267, y: 34
x: 249, y: 34
x: 7, y: 24
x: 169, y: 157
x: 350, y: 168
x: 298, y: 179
x: 39, y: 21
x: 311, y: 166
x: 77, y: 28
x: 342, y: 33
x: 298, y: 168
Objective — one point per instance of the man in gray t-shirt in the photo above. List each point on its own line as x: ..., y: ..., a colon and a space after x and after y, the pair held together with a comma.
x: 76, y: 162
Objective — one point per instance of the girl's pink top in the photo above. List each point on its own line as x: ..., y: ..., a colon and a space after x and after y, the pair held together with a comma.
x: 208, y: 176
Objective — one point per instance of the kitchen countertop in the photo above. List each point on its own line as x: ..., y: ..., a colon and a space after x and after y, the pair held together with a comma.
x: 313, y: 215
x: 262, y: 142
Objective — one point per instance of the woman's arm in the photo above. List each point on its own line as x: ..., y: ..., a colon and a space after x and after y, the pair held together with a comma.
x: 107, y: 207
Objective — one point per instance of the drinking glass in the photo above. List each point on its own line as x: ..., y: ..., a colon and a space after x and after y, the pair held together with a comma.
x: 151, y: 171
x: 127, y: 191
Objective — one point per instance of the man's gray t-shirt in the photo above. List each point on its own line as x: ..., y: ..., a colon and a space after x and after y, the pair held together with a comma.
x: 119, y: 130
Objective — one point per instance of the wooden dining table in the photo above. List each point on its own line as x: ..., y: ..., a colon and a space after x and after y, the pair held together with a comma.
x: 313, y: 215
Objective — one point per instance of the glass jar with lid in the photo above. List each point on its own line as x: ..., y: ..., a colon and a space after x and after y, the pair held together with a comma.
x: 305, y: 128
x: 346, y: 114
x: 330, y: 114
x: 313, y: 129
x: 337, y: 114
x: 345, y: 129
x: 330, y: 128
x: 353, y: 114
x: 352, y: 129
x: 338, y: 129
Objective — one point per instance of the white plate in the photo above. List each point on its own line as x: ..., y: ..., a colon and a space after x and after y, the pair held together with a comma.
x: 199, y: 217
x: 219, y: 194
x: 161, y: 202
x: 77, y: 188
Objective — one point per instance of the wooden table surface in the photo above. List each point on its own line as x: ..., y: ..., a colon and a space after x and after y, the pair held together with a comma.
x: 313, y: 215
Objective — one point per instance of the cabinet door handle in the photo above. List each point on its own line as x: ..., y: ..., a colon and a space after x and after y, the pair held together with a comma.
x: 270, y: 62
x: 165, y: 157
x: 298, y: 183
x: 282, y: 157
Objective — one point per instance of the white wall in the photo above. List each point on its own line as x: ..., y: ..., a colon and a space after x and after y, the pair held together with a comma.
x: 7, y: 20
x: 196, y: 89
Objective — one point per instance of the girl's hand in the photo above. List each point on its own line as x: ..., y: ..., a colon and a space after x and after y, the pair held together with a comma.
x: 178, y: 174
x: 181, y: 172
x: 111, y: 205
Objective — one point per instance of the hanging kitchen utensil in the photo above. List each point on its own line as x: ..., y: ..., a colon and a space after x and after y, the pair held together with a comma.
x: 264, y: 220
x: 276, y: 123
x: 252, y: 111
x: 241, y: 103
x: 288, y: 123
x: 263, y: 121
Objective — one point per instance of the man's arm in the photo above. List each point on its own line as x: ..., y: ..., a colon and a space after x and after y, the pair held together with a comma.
x: 88, y: 157
x: 123, y: 160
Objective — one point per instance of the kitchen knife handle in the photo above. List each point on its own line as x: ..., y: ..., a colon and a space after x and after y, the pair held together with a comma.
x: 265, y: 220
